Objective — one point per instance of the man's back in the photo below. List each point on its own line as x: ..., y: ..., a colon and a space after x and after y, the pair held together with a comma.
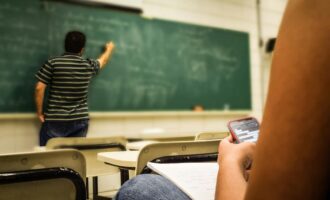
x: 68, y: 77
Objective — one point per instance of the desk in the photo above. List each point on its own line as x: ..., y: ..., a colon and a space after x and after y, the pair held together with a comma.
x: 168, y: 135
x: 39, y: 148
x: 136, y: 146
x: 124, y: 160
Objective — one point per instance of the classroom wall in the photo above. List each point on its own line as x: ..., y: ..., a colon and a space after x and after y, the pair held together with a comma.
x: 20, y: 133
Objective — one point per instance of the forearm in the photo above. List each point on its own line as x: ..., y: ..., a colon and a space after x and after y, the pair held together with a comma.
x: 39, y: 99
x: 106, y: 55
x: 231, y: 184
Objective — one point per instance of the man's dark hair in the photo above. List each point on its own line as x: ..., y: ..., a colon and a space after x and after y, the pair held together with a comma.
x: 74, y: 41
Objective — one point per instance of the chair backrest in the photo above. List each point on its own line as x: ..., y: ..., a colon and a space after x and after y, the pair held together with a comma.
x: 211, y: 135
x: 90, y: 147
x: 177, y: 152
x: 47, y: 175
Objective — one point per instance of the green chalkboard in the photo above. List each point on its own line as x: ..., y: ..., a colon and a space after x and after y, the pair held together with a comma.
x: 157, y: 65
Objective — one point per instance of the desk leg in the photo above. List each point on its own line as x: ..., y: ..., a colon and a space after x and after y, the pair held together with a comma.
x: 87, y: 188
x: 124, y: 175
x: 95, y: 187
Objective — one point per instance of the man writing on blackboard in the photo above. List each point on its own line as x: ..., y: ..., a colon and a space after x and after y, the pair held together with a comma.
x: 68, y: 77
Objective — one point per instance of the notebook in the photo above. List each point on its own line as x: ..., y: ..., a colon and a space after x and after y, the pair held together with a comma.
x: 197, y: 180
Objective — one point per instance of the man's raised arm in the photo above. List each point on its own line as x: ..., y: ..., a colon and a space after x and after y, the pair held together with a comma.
x: 105, y: 56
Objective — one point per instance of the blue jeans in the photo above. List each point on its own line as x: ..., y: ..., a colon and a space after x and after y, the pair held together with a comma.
x: 52, y: 129
x: 150, y: 187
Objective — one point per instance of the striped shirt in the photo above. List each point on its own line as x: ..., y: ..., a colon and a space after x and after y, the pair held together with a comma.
x: 68, y: 78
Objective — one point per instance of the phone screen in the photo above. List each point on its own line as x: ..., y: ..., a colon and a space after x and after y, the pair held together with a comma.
x: 246, y: 130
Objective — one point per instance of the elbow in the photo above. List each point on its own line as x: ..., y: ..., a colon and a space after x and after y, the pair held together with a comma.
x: 40, y: 87
x: 102, y: 63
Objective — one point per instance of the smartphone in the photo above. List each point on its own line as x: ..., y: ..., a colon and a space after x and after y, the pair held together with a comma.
x: 244, y: 130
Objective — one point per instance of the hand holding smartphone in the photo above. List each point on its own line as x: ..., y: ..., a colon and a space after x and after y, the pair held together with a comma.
x: 244, y: 130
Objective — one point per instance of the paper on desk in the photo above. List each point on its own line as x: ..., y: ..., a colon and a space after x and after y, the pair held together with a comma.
x: 197, y: 180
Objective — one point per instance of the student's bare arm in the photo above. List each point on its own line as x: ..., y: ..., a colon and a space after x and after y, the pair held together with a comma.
x: 105, y: 56
x: 39, y: 99
x: 292, y: 155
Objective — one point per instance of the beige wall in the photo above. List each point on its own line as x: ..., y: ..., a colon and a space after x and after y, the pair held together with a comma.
x: 20, y: 133
x: 271, y: 16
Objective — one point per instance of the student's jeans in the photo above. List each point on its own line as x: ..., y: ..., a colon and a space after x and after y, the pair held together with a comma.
x: 51, y: 129
x: 150, y: 187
